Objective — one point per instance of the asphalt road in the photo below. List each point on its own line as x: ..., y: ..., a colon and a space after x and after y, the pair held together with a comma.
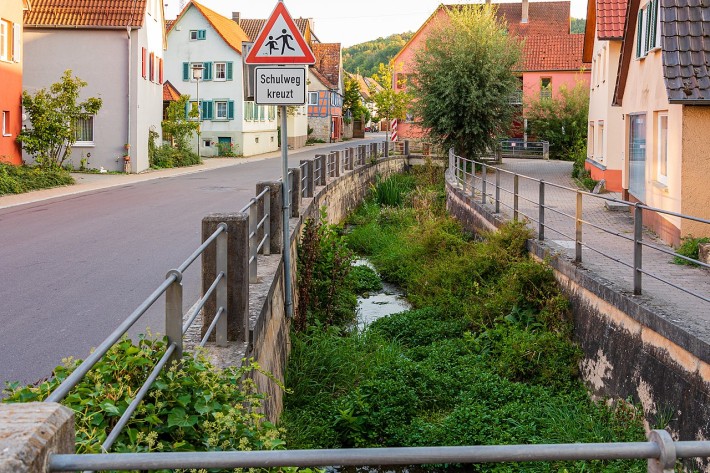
x: 72, y: 268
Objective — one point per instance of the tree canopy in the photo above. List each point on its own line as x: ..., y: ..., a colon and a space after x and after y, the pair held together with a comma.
x: 390, y: 103
x: 352, y: 102
x: 463, y: 79
x: 365, y: 58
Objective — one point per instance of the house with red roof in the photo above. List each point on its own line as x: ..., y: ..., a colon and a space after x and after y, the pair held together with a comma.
x: 117, y: 48
x: 604, y: 33
x: 202, y: 39
x: 552, y: 56
x: 663, y: 91
x: 325, y: 93
x: 11, y: 65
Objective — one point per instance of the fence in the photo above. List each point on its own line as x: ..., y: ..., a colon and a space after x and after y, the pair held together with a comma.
x: 258, y: 227
x: 524, y: 149
x: 477, y: 186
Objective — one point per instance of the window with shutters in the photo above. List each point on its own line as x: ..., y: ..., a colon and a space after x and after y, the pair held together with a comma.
x: 5, y: 40
x: 220, y: 110
x: 143, y: 65
x: 84, y: 131
x: 220, y: 71
x: 648, y: 29
x: 16, y: 41
x: 196, y: 35
x: 151, y: 67
x: 194, y: 110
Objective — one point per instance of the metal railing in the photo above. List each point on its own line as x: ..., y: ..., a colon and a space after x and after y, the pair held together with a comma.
x: 174, y: 327
x: 524, y: 149
x: 477, y: 184
x: 258, y: 228
x: 660, y: 451
x: 304, y: 179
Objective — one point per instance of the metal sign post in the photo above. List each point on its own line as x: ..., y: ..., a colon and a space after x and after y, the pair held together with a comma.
x: 286, y: 213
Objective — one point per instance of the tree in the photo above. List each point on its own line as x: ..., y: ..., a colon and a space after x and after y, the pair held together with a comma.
x: 561, y: 120
x: 463, y: 79
x: 365, y: 58
x: 179, y: 126
x: 389, y: 102
x: 55, y: 115
x: 352, y: 102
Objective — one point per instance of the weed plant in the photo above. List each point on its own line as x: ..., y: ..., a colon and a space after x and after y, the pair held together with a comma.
x: 168, y: 157
x: 690, y: 248
x: 485, y: 357
x: 20, y: 179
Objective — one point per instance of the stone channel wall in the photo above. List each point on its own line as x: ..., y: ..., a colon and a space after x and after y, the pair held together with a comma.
x: 630, y: 352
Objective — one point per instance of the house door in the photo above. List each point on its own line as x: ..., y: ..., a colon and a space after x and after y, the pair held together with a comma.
x: 637, y: 156
x: 224, y: 145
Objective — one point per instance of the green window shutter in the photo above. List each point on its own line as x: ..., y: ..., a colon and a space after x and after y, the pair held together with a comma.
x: 230, y: 71
x: 201, y: 34
x: 210, y: 110
x: 205, y: 109
x: 185, y: 71
x: 639, y: 33
x: 230, y: 110
x: 654, y: 19
x: 208, y: 71
x: 187, y: 110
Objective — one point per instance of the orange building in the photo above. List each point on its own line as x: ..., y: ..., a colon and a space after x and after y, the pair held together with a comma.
x: 552, y: 56
x: 11, y: 12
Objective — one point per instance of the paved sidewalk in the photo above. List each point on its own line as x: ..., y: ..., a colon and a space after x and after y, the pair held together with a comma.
x: 608, y: 255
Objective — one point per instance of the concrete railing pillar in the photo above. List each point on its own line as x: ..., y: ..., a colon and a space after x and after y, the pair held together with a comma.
x: 237, y: 274
x: 30, y: 432
x: 406, y: 148
x: 386, y: 149
x: 308, y: 164
x: 275, y: 213
x: 338, y: 163
x: 321, y: 163
x: 295, y: 191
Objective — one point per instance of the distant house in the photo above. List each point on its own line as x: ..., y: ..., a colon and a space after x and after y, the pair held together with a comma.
x: 552, y: 56
x: 202, y: 38
x: 602, y: 46
x: 367, y: 85
x: 663, y: 90
x: 297, y: 121
x: 325, y: 93
x: 117, y: 48
x: 11, y: 62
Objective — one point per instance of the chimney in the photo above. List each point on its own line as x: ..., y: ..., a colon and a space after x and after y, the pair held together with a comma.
x: 524, y: 15
x: 235, y: 16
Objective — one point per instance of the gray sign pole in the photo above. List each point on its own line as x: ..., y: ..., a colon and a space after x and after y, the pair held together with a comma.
x: 287, y: 214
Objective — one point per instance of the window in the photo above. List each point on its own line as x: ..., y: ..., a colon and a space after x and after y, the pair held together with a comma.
x: 220, y: 71
x: 84, y: 131
x: 6, y: 123
x: 5, y: 40
x: 590, y: 140
x: 312, y: 98
x: 272, y: 113
x: 546, y: 88
x: 198, y: 35
x: 647, y: 29
x: 220, y: 108
x: 151, y: 67
x: 662, y: 152
x: 333, y: 99
x: 600, y: 140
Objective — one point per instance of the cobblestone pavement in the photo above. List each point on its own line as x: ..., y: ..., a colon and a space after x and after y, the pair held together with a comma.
x: 607, y: 250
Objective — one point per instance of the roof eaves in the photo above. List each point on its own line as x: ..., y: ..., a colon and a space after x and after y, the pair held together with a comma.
x: 590, y: 29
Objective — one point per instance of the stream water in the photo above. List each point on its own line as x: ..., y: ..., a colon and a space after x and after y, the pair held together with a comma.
x: 389, y: 300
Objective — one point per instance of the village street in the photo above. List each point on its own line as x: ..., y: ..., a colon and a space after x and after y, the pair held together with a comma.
x: 70, y: 277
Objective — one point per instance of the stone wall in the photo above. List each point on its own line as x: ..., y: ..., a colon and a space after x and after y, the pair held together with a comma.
x: 321, y: 128
x: 630, y: 350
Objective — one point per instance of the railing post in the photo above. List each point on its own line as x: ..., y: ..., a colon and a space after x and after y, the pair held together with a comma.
x: 484, y: 176
x: 321, y: 158
x: 222, y: 327
x: 541, y: 212
x: 265, y: 206
x: 638, y: 248
x: 295, y: 191
x: 666, y: 462
x: 406, y: 148
x: 451, y: 159
x: 310, y: 178
x: 497, y: 190
x: 578, y: 230
x: 253, y: 242
x: 173, y: 315
x: 386, y: 149
x: 515, y: 197
x: 275, y: 213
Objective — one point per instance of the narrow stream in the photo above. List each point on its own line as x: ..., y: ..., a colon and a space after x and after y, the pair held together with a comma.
x: 389, y: 300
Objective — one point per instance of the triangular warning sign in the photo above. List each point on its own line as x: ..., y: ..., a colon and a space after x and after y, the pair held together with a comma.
x: 280, y: 42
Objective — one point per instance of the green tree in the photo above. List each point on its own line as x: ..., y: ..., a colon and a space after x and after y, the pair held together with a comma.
x: 352, y: 101
x: 390, y: 103
x: 578, y: 25
x: 179, y: 126
x: 365, y: 58
x: 463, y: 79
x: 54, y: 113
x: 561, y: 120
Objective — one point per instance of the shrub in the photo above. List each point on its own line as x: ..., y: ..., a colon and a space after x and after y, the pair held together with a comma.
x: 690, y: 248
x: 19, y: 179
x: 168, y: 157
x: 364, y: 279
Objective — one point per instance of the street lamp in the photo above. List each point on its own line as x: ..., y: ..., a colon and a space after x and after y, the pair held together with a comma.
x: 197, y: 75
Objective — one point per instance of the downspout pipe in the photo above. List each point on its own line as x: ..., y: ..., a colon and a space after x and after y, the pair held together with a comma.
x: 128, y: 83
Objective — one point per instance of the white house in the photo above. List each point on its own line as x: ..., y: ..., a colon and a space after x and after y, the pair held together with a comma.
x: 117, y: 48
x: 202, y: 38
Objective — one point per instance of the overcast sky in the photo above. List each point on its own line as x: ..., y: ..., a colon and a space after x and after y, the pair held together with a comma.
x: 346, y: 22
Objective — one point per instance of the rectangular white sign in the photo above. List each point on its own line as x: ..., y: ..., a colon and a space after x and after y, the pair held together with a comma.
x: 280, y: 85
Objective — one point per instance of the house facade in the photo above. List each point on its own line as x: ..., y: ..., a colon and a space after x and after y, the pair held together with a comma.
x: 603, y: 36
x: 325, y: 93
x: 11, y: 64
x: 202, y: 38
x: 117, y: 49
x: 663, y: 91
x: 552, y: 56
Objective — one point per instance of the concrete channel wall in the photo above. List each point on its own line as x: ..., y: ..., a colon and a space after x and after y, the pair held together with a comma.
x: 630, y: 352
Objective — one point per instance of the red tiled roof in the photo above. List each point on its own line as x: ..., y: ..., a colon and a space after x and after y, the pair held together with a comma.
x: 86, y: 13
x: 328, y: 62
x: 610, y: 18
x: 170, y: 93
x: 553, y: 53
x: 252, y: 27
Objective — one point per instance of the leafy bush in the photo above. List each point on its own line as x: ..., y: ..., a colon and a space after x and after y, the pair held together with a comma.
x: 19, y: 179
x: 690, y: 248
x: 168, y: 157
x: 364, y: 279
x: 191, y: 408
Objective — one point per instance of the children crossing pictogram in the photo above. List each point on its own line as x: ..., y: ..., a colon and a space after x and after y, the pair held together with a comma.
x: 280, y: 42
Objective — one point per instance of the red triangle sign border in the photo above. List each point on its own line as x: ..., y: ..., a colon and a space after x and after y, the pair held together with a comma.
x: 280, y: 11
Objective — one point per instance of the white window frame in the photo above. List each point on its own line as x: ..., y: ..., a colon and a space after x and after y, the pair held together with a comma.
x: 217, y: 116
x: 660, y: 152
x: 333, y: 99
x: 80, y: 143
x: 4, y: 40
x: 591, y: 136
x: 193, y: 104
x: 600, y: 141
x: 217, y: 66
x: 6, y: 123
x: 312, y: 98
x: 194, y: 35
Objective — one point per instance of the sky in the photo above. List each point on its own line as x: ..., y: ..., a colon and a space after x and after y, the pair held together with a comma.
x: 338, y: 21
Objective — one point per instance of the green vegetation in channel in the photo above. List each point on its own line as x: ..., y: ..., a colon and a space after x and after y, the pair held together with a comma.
x: 485, y: 357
